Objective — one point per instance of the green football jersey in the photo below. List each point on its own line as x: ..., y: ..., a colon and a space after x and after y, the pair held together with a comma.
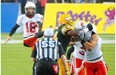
x: 63, y: 38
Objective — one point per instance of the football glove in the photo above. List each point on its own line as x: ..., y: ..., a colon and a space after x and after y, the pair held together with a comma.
x: 89, y: 26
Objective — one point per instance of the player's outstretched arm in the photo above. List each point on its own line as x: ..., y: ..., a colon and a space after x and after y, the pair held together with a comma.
x: 7, y: 39
x: 11, y: 33
x: 79, y: 33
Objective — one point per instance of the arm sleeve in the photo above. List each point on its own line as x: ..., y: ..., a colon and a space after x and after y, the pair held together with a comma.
x: 61, y: 50
x: 34, y: 52
x: 40, y: 24
x: 13, y: 30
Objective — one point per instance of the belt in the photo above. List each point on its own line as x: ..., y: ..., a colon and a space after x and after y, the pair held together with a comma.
x: 48, y: 59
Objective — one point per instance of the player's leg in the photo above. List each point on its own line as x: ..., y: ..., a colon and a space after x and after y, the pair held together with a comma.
x: 61, y: 67
x: 89, y: 68
x: 30, y: 42
x: 72, y: 69
x: 73, y: 63
x: 102, y: 70
x: 78, y: 64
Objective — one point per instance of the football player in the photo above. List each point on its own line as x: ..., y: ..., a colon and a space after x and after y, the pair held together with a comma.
x: 93, y: 60
x: 79, y: 51
x: 32, y: 24
x: 66, y: 31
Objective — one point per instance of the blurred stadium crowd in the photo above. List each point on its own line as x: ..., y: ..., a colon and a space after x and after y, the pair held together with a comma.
x: 40, y: 4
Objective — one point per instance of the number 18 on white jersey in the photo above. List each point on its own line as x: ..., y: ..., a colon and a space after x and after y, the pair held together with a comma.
x: 29, y: 24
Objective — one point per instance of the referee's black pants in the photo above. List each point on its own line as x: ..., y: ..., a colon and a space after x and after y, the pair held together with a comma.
x: 46, y: 67
x: 34, y: 68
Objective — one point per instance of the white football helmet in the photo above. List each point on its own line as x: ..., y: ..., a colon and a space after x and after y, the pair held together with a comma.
x: 30, y: 4
x: 79, y: 25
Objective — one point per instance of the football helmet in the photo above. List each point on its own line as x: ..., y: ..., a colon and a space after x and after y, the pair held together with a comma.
x: 79, y: 25
x: 65, y: 19
x: 28, y: 5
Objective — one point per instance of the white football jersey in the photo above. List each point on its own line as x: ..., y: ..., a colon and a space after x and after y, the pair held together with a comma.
x: 29, y: 24
x: 95, y: 52
x: 79, y: 50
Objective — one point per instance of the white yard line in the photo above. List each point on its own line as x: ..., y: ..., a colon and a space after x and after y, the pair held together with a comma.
x: 108, y: 41
x: 12, y: 41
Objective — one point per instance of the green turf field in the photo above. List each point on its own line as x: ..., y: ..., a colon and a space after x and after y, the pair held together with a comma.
x: 16, y: 60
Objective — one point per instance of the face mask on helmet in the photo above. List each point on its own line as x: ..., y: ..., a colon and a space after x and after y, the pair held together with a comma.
x: 30, y: 8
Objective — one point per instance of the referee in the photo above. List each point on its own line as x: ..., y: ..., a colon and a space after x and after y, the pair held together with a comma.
x: 47, y: 51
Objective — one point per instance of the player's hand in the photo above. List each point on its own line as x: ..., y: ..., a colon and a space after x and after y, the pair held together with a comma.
x: 107, y: 67
x: 7, y: 39
x: 89, y: 26
x: 32, y: 58
x: 81, y: 34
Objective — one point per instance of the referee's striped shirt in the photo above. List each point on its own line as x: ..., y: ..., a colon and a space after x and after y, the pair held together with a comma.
x: 48, y: 48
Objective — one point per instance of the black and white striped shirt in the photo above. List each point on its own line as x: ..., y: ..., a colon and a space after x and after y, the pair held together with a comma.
x: 48, y: 48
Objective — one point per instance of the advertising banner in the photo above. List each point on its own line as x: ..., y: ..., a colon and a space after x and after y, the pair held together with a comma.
x: 101, y: 15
